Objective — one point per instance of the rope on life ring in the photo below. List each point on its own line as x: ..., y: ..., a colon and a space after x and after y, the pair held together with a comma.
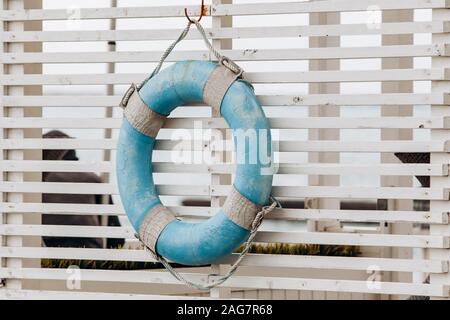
x: 146, y: 106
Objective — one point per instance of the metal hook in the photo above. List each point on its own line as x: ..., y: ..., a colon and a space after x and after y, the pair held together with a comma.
x: 202, y: 9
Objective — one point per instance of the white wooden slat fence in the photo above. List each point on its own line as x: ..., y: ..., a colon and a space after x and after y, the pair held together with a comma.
x: 342, y: 92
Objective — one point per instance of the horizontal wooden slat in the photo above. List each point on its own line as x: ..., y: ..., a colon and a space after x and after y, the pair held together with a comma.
x: 27, y: 294
x: 354, y: 239
x: 346, y: 76
x: 67, y: 231
x: 223, y: 190
x: 362, y: 146
x: 234, y: 282
x: 340, y: 263
x: 418, y: 169
x: 100, y: 13
x: 358, y: 239
x: 254, y: 77
x: 346, y: 123
x: 283, y: 146
x: 392, y: 51
x: 55, y: 166
x: 62, y: 208
x: 265, y: 100
x: 226, y: 33
x: 361, y: 192
x: 251, y: 260
x: 328, y: 214
x: 322, y: 6
x: 206, y: 212
x: 219, y: 123
x: 300, y: 146
x: 319, y: 169
x: 218, y: 10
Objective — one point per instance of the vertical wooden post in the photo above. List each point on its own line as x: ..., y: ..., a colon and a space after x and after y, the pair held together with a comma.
x: 18, y: 112
x: 397, y: 134
x: 111, y: 68
x: 36, y: 133
x: 2, y: 136
x: 442, y: 87
x: 324, y: 111
x: 217, y: 179
x: 107, y: 132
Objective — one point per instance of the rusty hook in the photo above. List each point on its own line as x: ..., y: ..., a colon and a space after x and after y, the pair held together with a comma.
x: 202, y: 10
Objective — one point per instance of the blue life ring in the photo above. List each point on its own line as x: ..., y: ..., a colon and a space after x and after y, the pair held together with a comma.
x: 145, y: 110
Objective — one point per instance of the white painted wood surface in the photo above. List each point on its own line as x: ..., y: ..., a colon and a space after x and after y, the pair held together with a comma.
x: 286, y: 113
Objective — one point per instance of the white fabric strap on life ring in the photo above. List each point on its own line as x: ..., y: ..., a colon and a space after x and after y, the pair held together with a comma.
x: 240, y: 210
x: 217, y: 85
x: 153, y: 224
x: 141, y: 117
x: 237, y: 208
